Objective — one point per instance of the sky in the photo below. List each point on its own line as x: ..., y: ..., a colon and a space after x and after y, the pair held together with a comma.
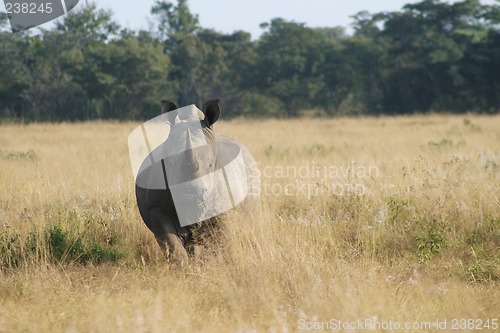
x: 228, y: 16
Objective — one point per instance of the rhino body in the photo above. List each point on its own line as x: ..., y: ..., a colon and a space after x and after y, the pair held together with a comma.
x: 157, y: 204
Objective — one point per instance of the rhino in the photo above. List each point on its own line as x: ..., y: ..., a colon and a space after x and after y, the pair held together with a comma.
x: 186, y: 187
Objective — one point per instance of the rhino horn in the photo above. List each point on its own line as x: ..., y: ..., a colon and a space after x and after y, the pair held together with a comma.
x: 189, y: 144
x: 189, y: 150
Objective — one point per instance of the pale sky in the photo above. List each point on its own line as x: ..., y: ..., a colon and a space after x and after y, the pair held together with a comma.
x: 230, y: 15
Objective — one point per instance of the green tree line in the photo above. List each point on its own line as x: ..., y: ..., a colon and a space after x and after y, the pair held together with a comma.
x: 430, y: 56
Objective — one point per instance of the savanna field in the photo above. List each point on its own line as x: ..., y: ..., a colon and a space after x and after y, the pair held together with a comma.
x: 361, y: 219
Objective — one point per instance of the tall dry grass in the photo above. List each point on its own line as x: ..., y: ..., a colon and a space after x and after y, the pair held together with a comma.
x: 361, y: 218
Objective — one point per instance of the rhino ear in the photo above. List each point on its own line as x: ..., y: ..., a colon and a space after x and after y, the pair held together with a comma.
x: 211, y: 109
x: 168, y: 106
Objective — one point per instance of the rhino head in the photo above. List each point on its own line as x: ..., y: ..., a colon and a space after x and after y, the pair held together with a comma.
x: 192, y: 159
x: 190, y: 148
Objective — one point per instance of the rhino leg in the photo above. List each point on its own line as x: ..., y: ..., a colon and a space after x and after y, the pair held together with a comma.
x: 167, y: 236
x: 206, y: 237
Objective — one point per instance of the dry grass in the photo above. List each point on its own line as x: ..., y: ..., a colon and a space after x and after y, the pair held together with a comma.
x: 365, y: 218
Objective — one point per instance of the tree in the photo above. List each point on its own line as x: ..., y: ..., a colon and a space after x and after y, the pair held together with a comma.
x: 175, y: 23
x: 480, y: 65
x: 51, y: 93
x: 128, y: 76
x: 59, y: 89
x: 337, y: 75
x: 365, y: 24
x: 177, y: 27
x: 88, y: 25
x: 289, y: 62
x: 427, y: 42
x: 13, y: 72
x: 368, y: 61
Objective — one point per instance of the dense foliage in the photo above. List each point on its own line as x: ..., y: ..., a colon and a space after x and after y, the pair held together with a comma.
x: 430, y: 56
